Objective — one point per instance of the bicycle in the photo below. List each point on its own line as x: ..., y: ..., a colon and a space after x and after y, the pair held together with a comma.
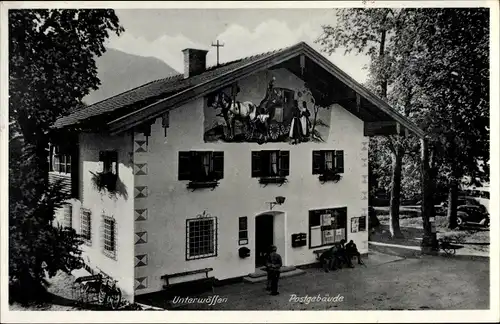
x: 109, y: 293
x: 102, y: 287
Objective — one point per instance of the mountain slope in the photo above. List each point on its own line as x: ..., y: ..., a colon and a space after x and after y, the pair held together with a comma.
x: 120, y: 71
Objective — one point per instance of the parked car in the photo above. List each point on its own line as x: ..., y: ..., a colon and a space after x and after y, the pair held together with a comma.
x: 466, y: 201
x: 472, y: 214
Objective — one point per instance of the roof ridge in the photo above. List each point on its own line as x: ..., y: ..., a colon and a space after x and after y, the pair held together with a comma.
x: 133, y: 89
x: 209, y: 70
x: 249, y: 57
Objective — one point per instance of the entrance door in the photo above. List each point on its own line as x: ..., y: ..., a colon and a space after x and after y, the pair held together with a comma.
x: 264, y: 232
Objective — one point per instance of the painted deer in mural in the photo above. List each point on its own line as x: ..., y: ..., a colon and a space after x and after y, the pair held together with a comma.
x: 246, y: 112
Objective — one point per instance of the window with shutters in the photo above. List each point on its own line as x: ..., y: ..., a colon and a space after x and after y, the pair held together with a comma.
x: 201, y: 168
x: 109, y: 161
x: 201, y: 238
x: 329, y: 164
x: 107, y: 174
x: 271, y: 166
x: 327, y: 226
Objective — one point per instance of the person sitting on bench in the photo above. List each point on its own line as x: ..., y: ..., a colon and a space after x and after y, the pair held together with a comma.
x: 342, y: 254
x: 328, y: 260
x: 352, y: 251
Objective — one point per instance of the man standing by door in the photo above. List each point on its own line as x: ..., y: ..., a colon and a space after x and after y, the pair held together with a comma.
x: 274, y: 266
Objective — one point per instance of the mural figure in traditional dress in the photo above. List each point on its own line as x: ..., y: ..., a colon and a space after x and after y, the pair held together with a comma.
x: 295, y: 128
x: 305, y: 123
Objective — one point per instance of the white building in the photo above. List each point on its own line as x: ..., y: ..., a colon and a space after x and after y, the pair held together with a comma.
x: 189, y: 192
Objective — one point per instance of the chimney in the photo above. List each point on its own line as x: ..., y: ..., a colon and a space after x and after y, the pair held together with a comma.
x: 195, y: 61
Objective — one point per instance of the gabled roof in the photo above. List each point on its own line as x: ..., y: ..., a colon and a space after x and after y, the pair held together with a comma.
x: 155, y: 89
x: 139, y: 105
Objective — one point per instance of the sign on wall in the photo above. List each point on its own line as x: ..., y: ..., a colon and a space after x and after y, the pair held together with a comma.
x: 282, y: 115
x: 354, y: 225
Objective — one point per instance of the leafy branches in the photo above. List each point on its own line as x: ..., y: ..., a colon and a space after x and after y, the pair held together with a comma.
x: 51, y: 68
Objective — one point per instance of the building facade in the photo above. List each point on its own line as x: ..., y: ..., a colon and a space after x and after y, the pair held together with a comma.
x: 261, y: 160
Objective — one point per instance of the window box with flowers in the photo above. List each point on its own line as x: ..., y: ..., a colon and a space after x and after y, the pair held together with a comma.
x: 106, y: 178
x: 329, y: 165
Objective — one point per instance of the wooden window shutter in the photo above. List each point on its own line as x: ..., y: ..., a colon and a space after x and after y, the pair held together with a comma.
x: 339, y: 161
x: 218, y: 164
x: 318, y: 162
x: 184, y: 165
x: 284, y: 163
x: 75, y: 172
x: 256, y: 164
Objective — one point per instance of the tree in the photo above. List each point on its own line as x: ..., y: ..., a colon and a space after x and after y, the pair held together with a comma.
x: 51, y: 68
x: 373, y: 31
x: 447, y: 66
x: 457, y: 82
x: 435, y: 72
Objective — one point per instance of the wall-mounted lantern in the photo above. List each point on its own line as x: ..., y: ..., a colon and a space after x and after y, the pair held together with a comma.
x: 279, y: 200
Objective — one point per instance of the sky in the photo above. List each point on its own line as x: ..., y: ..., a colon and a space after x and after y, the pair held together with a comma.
x: 164, y: 33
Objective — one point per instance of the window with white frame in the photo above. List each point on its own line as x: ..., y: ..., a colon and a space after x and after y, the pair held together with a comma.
x: 201, y: 238
x: 60, y: 160
x: 86, y: 225
x: 109, y: 236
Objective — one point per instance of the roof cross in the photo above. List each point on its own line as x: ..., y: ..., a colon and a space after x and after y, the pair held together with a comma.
x: 217, y: 45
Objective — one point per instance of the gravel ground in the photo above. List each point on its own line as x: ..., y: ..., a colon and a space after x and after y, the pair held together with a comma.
x: 409, y: 284
x: 419, y: 283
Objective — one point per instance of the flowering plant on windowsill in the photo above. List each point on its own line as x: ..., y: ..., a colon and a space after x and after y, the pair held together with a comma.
x: 279, y: 180
x: 104, y: 180
x: 206, y: 181
x: 330, y: 175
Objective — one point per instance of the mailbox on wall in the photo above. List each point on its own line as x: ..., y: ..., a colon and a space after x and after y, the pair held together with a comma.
x: 299, y: 239
x: 244, y: 252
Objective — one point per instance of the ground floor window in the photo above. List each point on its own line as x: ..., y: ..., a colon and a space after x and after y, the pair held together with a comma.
x: 86, y: 226
x: 327, y: 226
x: 109, y: 239
x: 201, y: 238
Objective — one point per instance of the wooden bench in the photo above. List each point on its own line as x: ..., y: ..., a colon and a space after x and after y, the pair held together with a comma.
x: 202, y: 281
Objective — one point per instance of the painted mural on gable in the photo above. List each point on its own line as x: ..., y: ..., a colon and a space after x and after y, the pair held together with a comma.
x: 282, y: 115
